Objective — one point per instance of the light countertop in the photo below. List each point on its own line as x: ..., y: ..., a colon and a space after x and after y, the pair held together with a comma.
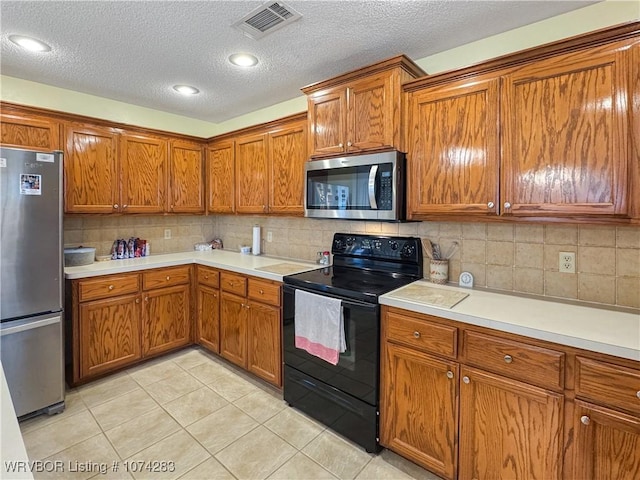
x: 602, y: 330
x: 598, y: 329
x: 228, y: 260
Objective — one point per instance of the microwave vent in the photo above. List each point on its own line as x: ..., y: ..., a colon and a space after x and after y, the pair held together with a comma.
x: 266, y: 19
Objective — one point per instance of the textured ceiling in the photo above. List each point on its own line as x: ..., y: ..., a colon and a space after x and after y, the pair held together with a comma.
x: 135, y: 51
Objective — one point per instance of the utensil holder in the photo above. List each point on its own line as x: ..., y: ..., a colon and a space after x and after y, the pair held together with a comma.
x: 439, y: 271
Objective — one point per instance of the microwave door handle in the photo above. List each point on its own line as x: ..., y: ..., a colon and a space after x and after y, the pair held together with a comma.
x: 372, y: 187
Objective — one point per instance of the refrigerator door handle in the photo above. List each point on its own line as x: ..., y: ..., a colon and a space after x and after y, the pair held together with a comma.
x: 7, y: 329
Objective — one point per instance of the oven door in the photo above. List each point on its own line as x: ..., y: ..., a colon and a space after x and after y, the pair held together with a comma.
x: 358, y: 368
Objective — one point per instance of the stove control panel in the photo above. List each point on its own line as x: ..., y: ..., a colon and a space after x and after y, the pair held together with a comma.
x: 405, y: 249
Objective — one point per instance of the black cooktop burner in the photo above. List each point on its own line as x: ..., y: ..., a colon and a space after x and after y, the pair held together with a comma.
x: 365, y: 267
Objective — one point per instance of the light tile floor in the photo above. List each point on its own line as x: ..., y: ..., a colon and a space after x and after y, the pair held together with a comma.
x: 210, y: 419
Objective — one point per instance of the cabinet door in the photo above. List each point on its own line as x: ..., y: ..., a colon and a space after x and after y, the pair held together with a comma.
x: 607, y: 443
x: 508, y: 429
x: 109, y: 334
x: 419, y: 408
x: 91, y: 178
x: 264, y: 356
x: 453, y: 149
x: 209, y: 318
x: 565, y: 138
x: 370, y: 121
x: 287, y: 156
x: 186, y: 178
x: 166, y: 319
x: 233, y: 328
x: 22, y: 130
x: 327, y: 112
x: 221, y: 177
x: 252, y: 174
x: 144, y: 174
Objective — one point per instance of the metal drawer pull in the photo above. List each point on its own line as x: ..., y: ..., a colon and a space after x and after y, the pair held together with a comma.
x: 110, y: 287
x: 638, y: 394
x: 416, y: 334
x: 261, y: 291
x: 508, y: 358
x: 137, y: 300
x: 585, y: 420
x: 115, y: 205
x: 465, y: 379
x: 507, y: 205
x: 168, y: 277
x: 449, y: 374
x: 490, y: 205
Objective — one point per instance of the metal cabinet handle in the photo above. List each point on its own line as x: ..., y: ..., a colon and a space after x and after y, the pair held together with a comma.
x: 349, y: 144
x: 171, y: 207
x: 146, y: 299
x: 115, y: 205
x: 125, y: 205
x: 247, y: 307
x: 110, y: 287
x: 168, y: 277
x: 491, y: 205
x: 508, y: 359
x: 465, y: 379
x: 215, y: 295
x: 206, y: 277
x: 261, y: 292
x: 638, y: 394
x: 416, y: 334
x: 507, y: 205
x: 585, y: 420
x: 137, y: 300
x: 449, y: 374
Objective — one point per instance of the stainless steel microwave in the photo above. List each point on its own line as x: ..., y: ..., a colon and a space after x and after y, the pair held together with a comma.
x: 361, y: 187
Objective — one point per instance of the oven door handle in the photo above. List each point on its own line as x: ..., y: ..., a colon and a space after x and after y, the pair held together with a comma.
x: 345, y: 302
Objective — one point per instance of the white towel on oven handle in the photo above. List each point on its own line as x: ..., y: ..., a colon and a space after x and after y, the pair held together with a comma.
x: 319, y: 326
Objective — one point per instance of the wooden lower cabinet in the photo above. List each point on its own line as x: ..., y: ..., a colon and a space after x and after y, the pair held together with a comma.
x: 508, y: 429
x: 607, y: 443
x: 419, y: 408
x: 166, y: 319
x: 109, y: 334
x: 233, y: 328
x: 264, y: 342
x: 250, y: 330
x: 208, y: 318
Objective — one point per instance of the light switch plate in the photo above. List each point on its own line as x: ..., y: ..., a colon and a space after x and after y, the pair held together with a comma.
x: 466, y: 280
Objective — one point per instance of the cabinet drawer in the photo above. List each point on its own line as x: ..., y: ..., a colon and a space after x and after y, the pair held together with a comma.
x: 165, y: 277
x: 234, y: 283
x: 107, y: 287
x: 264, y: 291
x: 208, y: 276
x: 422, y: 334
x: 608, y: 384
x: 536, y: 365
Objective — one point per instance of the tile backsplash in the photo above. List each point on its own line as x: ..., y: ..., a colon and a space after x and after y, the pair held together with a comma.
x: 519, y: 258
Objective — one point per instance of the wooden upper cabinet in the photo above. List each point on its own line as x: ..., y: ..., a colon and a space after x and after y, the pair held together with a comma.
x: 635, y: 132
x: 287, y: 156
x: 144, y: 174
x: 328, y: 122
x: 23, y: 130
x: 186, y: 178
x: 91, y: 170
x: 252, y: 174
x: 453, y: 149
x: 221, y: 177
x: 360, y: 110
x: 565, y: 134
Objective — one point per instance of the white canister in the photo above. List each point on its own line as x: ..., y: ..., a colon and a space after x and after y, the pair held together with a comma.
x: 255, y: 248
x: 439, y: 271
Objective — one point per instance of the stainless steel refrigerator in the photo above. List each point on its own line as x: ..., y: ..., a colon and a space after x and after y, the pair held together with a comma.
x: 31, y: 282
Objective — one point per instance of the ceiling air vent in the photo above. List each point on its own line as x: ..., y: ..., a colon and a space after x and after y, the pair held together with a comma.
x: 266, y: 19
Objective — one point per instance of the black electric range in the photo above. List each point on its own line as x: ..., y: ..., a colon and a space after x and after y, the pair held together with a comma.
x: 345, y: 396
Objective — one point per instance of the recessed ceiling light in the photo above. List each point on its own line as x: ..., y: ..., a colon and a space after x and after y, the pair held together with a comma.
x: 186, y: 89
x: 243, y: 60
x: 29, y: 43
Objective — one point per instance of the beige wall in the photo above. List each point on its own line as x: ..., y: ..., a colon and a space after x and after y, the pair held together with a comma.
x: 593, y: 17
x: 514, y: 258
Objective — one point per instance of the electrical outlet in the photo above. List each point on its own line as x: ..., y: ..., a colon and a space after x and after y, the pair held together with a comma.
x: 167, y: 233
x: 269, y: 237
x: 567, y: 262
